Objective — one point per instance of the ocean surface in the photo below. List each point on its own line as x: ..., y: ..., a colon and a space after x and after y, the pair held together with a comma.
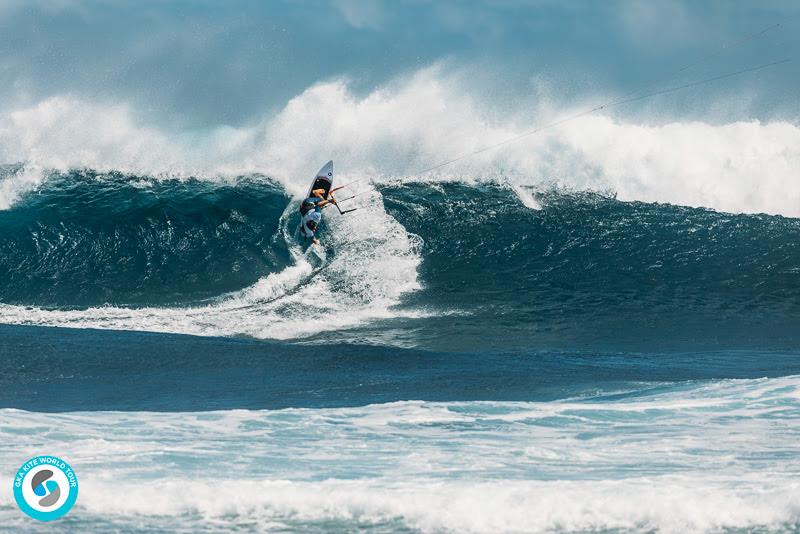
x: 463, y: 355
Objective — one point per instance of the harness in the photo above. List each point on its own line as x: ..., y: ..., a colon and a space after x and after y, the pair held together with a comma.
x: 306, y: 206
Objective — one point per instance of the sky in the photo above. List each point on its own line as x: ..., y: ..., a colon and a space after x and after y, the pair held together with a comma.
x: 391, y: 88
x: 202, y: 64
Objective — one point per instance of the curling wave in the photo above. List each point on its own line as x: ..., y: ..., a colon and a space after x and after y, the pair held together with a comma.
x: 590, y: 267
x: 193, y: 256
x: 444, y: 265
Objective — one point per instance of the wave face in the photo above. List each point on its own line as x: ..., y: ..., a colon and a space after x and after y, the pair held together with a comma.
x: 87, y: 238
x: 589, y: 264
x: 438, y: 265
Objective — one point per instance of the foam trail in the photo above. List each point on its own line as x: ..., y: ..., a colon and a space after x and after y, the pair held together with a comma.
x: 419, y: 121
x: 692, y: 457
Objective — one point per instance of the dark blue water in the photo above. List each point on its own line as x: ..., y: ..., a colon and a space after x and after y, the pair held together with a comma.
x: 596, y: 272
x: 54, y: 369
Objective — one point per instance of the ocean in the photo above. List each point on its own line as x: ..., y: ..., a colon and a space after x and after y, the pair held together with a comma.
x: 462, y: 355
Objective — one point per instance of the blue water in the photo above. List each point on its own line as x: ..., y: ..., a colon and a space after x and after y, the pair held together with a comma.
x: 460, y: 356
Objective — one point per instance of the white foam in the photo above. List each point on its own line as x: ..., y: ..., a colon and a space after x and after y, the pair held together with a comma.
x: 18, y: 183
x: 697, y: 458
x: 63, y: 133
x: 424, y: 119
x: 668, y: 504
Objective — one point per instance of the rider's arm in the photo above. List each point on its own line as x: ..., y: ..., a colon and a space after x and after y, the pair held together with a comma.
x: 320, y: 194
x: 323, y: 203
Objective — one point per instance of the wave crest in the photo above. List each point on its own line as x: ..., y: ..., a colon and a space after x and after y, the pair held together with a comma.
x: 421, y: 120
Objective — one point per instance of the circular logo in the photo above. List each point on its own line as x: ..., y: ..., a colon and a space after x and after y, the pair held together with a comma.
x: 45, y: 487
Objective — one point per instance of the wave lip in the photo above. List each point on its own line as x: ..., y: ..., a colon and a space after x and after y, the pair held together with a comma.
x: 418, y: 121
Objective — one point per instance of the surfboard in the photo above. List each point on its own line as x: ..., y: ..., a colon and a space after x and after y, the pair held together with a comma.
x: 323, y: 180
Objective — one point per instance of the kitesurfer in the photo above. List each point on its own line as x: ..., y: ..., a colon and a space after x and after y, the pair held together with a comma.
x: 311, y: 213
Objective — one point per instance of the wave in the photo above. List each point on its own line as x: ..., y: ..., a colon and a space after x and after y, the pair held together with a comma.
x: 588, y: 266
x: 449, y: 264
x: 194, y: 256
x: 701, y: 457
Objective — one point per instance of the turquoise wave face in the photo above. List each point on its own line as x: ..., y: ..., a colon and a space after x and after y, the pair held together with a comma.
x: 594, y: 270
x: 86, y: 239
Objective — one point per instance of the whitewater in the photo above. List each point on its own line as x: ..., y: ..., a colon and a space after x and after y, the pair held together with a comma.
x: 704, y: 456
x: 744, y: 166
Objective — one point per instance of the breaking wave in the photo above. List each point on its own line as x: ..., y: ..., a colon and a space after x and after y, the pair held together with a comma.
x: 220, y: 258
x: 414, y: 123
